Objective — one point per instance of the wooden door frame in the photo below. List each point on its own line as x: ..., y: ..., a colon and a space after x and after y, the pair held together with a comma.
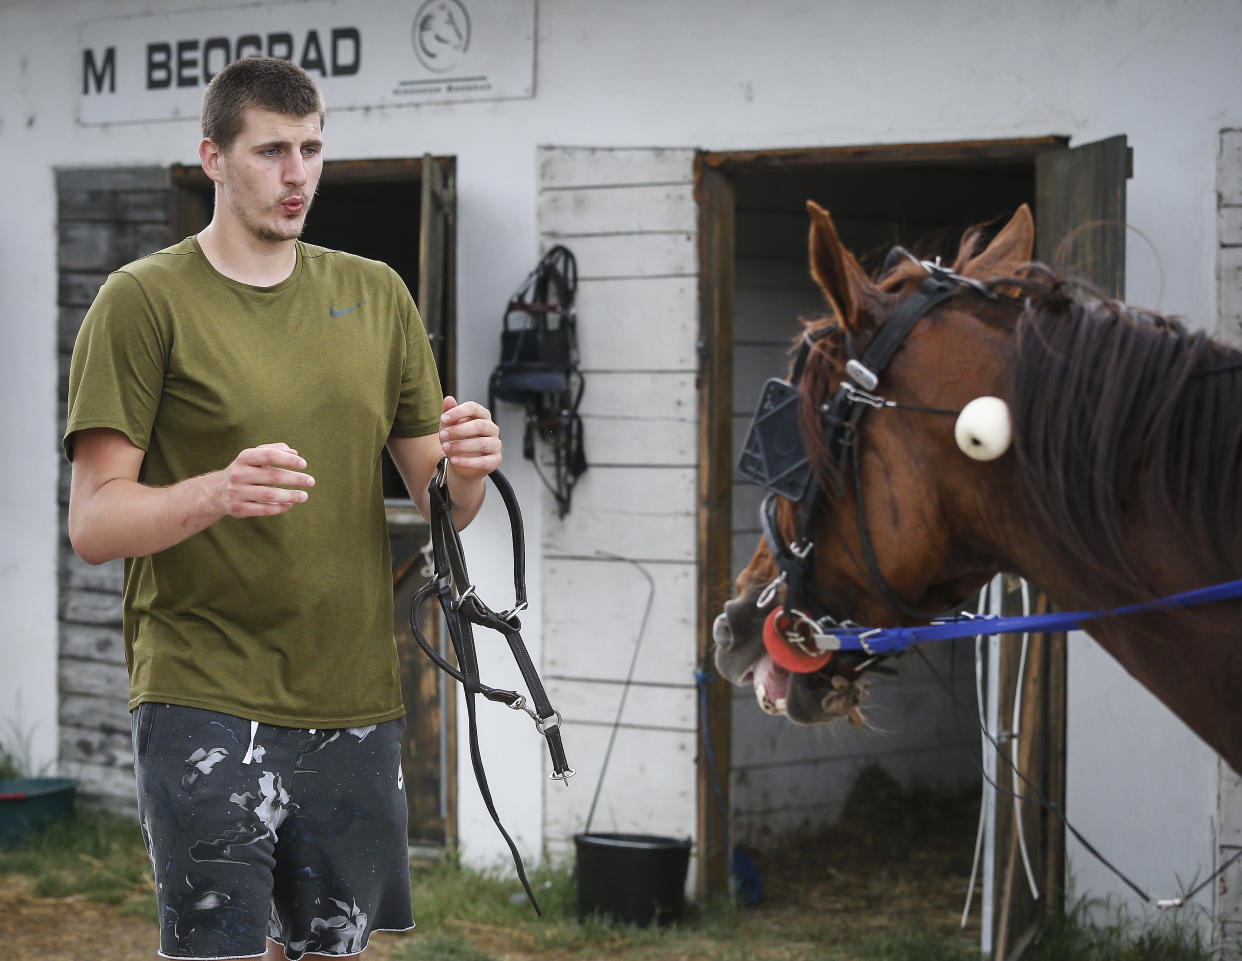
x: 714, y: 173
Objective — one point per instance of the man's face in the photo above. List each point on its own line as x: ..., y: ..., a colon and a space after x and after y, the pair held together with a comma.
x: 269, y: 173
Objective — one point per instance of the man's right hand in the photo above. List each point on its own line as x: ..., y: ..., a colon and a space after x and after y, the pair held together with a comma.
x: 257, y: 483
x: 112, y: 515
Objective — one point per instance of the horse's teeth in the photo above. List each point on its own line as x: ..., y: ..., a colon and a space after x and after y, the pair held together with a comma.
x: 765, y: 705
x: 781, y: 704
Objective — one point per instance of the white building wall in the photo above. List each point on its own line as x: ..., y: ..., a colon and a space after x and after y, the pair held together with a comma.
x: 718, y: 74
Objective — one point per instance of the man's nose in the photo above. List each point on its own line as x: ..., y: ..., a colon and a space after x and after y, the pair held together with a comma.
x: 295, y: 169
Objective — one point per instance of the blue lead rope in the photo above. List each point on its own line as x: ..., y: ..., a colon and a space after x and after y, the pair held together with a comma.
x: 877, y: 640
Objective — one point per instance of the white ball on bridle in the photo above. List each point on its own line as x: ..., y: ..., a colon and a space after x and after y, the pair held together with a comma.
x: 983, y: 430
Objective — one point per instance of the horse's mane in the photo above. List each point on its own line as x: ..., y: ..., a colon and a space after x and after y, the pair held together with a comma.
x: 1126, y: 429
x: 1126, y: 425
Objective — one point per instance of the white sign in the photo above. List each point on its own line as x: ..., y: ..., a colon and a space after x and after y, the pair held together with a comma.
x: 155, y: 66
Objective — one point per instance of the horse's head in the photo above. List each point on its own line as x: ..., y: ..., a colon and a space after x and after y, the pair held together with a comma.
x: 898, y: 516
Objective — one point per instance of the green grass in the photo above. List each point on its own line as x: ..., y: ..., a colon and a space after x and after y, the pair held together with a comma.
x: 9, y: 768
x: 1094, y: 930
x: 94, y: 855
x: 470, y: 915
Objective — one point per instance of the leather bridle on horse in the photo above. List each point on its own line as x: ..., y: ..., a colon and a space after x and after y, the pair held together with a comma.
x: 774, y: 457
x: 462, y: 607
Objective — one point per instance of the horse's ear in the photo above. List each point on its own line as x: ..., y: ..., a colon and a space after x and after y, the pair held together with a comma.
x: 838, y: 274
x: 1009, y: 250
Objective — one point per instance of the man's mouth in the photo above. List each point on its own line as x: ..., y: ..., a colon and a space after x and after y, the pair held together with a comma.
x: 293, y: 205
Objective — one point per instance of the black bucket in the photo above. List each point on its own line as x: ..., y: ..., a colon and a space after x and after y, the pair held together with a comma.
x: 632, y: 878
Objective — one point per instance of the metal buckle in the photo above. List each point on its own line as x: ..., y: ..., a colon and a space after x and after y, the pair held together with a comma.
x: 862, y: 375
x: 563, y: 776
x: 460, y: 599
x: 769, y: 593
x: 856, y: 395
x: 513, y: 611
x: 541, y: 723
x: 442, y: 472
x: 862, y: 639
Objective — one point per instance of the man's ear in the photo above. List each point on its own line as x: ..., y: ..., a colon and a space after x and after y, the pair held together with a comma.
x: 210, y: 155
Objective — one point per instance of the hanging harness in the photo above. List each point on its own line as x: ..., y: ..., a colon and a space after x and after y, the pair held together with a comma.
x: 539, y: 368
x: 462, y: 608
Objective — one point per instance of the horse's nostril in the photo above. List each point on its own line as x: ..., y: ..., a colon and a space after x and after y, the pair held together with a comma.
x: 722, y: 634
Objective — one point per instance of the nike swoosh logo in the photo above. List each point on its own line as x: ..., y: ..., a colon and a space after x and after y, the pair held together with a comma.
x: 348, y: 310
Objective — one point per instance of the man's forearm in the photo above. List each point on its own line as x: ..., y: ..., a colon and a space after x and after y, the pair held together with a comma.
x: 124, y: 518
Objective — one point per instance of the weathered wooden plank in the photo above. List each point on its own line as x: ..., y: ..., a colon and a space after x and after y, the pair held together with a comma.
x: 642, y: 323
x: 76, y: 574
x: 93, y: 642
x: 561, y: 167
x: 774, y: 314
x: 1229, y: 177
x: 633, y: 418
x: 106, y: 246
x: 91, y: 607
x: 69, y: 322
x: 110, y: 787
x: 1229, y: 806
x: 92, y: 677
x: 648, y: 787
x: 613, y: 442
x: 1229, y: 320
x: 746, y: 500
x: 570, y: 213
x: 647, y: 513
x: 76, y: 289
x: 84, y: 745
x: 770, y: 273
x: 610, y: 256
x: 646, y: 705
x: 594, y: 612
x: 114, y: 206
x: 752, y: 365
x: 112, y: 178
x: 1229, y: 226
x: 108, y: 714
x: 640, y: 395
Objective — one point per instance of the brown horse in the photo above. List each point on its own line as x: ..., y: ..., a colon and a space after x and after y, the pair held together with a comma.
x: 1120, y: 484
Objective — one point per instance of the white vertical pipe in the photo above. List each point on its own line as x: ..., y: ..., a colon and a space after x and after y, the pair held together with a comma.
x: 992, y: 724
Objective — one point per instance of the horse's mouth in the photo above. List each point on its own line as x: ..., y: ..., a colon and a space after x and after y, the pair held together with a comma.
x: 834, y: 691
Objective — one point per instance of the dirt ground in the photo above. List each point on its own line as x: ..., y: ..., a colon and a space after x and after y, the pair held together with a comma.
x: 889, y: 864
x: 76, y: 929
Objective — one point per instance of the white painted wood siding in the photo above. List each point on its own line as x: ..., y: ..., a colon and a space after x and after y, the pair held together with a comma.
x: 1229, y: 328
x: 630, y: 218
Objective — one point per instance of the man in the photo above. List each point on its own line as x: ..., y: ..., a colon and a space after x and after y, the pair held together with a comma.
x: 228, y: 402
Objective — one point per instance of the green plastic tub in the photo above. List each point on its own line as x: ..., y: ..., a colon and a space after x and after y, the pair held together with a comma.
x: 28, y: 804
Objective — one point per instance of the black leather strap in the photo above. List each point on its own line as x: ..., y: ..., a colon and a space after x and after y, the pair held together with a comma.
x: 463, y: 609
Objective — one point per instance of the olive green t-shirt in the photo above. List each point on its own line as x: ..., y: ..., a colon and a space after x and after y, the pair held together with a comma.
x: 286, y: 620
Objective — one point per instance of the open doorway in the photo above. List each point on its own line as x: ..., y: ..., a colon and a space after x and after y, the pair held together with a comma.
x: 754, y: 287
x: 401, y: 212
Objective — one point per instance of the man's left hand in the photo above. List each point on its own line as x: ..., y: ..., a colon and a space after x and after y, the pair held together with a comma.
x: 469, y: 438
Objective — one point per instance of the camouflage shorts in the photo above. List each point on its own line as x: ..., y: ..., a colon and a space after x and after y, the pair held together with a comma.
x: 259, y: 832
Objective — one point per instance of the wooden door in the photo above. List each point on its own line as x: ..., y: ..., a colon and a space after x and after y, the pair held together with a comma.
x: 715, y: 197
x: 1080, y: 214
x: 429, y: 758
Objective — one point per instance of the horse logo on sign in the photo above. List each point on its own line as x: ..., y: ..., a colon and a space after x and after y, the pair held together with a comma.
x: 441, y: 34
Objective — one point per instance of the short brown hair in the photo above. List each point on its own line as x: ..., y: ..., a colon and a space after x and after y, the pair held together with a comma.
x: 268, y: 82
